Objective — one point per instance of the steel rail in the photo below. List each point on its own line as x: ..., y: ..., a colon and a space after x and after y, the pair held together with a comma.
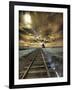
x: 45, y: 65
x: 25, y: 73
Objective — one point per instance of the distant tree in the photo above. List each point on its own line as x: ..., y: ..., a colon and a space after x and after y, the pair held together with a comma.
x: 43, y: 46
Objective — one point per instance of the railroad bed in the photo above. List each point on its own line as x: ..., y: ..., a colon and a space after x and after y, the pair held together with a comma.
x: 34, y: 65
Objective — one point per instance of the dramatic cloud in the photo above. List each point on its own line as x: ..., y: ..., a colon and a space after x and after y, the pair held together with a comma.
x: 40, y: 27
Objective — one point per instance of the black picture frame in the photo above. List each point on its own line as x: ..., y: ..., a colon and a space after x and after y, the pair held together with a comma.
x: 11, y: 44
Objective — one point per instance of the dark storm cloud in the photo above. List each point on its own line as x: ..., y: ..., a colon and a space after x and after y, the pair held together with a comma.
x: 47, y: 26
x: 26, y: 31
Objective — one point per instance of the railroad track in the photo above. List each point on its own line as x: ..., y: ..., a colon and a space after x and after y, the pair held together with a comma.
x: 34, y: 65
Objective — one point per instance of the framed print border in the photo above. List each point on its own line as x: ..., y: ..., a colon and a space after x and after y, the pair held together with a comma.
x: 12, y: 5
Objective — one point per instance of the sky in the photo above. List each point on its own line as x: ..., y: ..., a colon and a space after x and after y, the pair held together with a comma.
x: 37, y: 28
